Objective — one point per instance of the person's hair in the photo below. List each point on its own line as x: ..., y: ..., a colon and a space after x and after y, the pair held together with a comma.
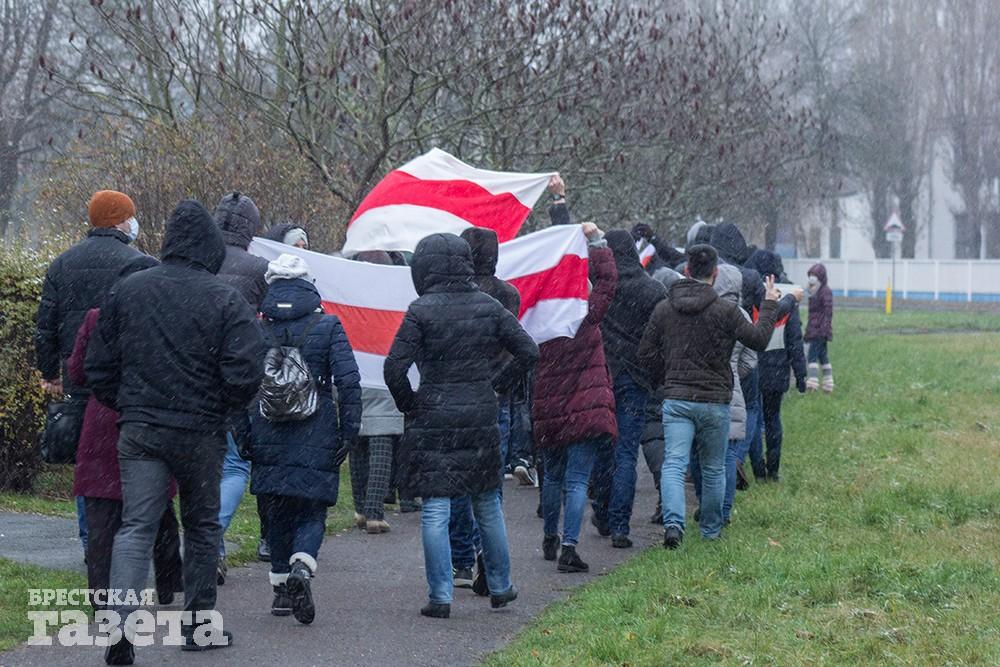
x: 701, y: 261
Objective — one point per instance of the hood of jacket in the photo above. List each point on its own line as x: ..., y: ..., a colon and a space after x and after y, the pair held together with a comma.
x: 729, y: 283
x: 442, y: 263
x: 485, y: 250
x: 277, y: 233
x: 192, y: 236
x: 767, y: 263
x: 290, y: 299
x: 238, y: 218
x: 691, y: 296
x: 626, y: 256
x: 819, y: 271
x: 729, y: 242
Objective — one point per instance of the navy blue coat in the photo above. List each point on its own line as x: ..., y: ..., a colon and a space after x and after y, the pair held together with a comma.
x: 297, y: 458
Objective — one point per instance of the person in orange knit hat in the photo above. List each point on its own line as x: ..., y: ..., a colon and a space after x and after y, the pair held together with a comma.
x: 75, y: 282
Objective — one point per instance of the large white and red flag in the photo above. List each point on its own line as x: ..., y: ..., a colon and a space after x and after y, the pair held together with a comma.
x: 548, y: 268
x: 437, y: 192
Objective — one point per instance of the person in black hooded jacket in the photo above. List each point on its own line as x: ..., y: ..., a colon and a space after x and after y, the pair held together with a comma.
x: 176, y: 350
x: 454, y: 333
x: 784, y: 355
x: 733, y: 249
x: 614, y: 474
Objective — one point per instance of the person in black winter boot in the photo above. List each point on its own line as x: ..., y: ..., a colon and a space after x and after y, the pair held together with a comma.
x: 299, y: 590
x: 282, y: 603
x: 570, y: 561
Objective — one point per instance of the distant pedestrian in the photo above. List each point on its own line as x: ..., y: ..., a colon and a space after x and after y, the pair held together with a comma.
x: 453, y: 333
x: 175, y: 352
x: 687, y: 348
x: 573, y: 413
x: 819, y: 329
x: 297, y: 453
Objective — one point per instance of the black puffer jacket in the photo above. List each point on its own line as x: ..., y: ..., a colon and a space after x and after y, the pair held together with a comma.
x: 175, y: 346
x: 239, y: 220
x: 452, y: 332
x: 689, y: 342
x: 733, y: 249
x: 635, y: 298
x: 485, y: 251
x: 77, y: 281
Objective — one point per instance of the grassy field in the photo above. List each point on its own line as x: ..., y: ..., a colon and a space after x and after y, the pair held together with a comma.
x: 879, y: 547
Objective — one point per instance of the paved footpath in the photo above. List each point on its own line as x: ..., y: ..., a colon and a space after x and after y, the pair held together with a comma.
x: 368, y: 591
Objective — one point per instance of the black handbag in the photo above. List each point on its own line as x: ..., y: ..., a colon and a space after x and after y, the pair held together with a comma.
x: 63, y: 424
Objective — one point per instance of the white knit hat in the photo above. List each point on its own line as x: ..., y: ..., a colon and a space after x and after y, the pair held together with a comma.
x: 287, y: 267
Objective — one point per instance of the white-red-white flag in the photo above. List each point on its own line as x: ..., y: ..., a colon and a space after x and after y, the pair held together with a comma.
x: 548, y: 268
x: 646, y: 252
x: 437, y: 192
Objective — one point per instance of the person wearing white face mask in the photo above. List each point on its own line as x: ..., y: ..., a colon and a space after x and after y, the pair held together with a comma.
x: 819, y: 330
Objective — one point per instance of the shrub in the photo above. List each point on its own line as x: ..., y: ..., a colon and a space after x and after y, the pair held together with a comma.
x: 22, y: 403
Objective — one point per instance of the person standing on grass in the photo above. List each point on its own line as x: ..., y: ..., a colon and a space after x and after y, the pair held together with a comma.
x: 372, y: 453
x: 819, y: 329
x: 574, y: 412
x: 297, y: 457
x: 687, y: 348
x: 621, y: 329
x: 97, y: 480
x: 175, y: 352
x: 238, y: 218
x: 784, y: 355
x: 454, y: 333
x: 75, y: 282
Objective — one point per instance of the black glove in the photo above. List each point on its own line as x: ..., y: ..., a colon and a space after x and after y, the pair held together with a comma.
x: 642, y: 231
x: 800, y: 384
x: 340, y: 454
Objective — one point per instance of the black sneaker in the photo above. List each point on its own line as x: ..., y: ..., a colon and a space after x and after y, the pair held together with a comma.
x: 298, y: 588
x: 462, y: 577
x: 550, y: 547
x: 502, y: 600
x: 697, y: 514
x: 122, y: 653
x: 221, y: 571
x: 282, y: 604
x: 263, y: 551
x: 603, y: 529
x: 672, y: 537
x: 621, y: 542
x: 479, y: 585
x: 190, y: 645
x: 570, y: 561
x: 436, y: 610
x: 524, y: 474
x: 658, y: 514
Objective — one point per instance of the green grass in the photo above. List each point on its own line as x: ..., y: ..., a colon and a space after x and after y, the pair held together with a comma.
x: 879, y: 547
x: 15, y: 581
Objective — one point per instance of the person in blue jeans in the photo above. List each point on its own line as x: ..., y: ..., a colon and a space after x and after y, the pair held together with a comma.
x: 455, y: 334
x: 614, y: 476
x: 235, y: 476
x: 81, y: 523
x: 687, y: 347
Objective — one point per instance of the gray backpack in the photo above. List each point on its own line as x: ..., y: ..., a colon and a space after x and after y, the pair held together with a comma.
x: 288, y: 391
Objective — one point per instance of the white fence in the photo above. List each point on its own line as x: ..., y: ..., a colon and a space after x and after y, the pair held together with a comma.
x: 929, y: 279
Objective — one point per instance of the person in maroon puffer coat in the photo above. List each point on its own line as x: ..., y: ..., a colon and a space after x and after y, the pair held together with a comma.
x: 819, y: 330
x: 97, y: 478
x: 574, y: 410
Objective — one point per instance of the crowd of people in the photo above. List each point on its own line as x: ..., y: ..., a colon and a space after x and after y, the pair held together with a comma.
x: 212, y: 369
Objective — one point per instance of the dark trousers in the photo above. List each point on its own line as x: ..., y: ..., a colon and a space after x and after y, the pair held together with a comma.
x: 148, y: 457
x: 104, y: 518
x: 297, y: 527
x: 773, y: 430
x: 264, y: 514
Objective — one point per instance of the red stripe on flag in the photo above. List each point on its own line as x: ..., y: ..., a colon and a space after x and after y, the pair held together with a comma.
x: 471, y: 202
x: 368, y: 329
x: 565, y: 280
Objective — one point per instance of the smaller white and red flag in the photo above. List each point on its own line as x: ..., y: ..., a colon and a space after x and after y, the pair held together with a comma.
x: 646, y: 252
x: 437, y: 192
